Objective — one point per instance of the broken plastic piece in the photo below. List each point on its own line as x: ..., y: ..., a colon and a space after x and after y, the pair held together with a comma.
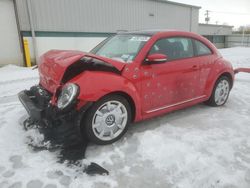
x: 94, y: 169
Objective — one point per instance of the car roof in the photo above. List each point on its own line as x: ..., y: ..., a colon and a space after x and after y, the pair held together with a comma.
x: 152, y: 32
x: 171, y: 32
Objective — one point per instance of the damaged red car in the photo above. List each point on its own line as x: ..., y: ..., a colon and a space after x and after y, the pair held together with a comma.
x: 127, y: 78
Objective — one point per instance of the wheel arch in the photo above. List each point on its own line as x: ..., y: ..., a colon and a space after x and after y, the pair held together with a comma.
x: 211, y: 100
x: 212, y: 84
x: 128, y: 98
x: 227, y: 74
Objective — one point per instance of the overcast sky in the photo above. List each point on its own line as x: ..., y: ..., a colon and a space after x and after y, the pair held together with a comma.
x: 232, y: 12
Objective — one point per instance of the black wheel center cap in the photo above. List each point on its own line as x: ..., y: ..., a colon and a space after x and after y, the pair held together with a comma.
x: 110, y: 119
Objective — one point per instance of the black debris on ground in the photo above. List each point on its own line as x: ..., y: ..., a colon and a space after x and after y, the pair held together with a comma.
x: 94, y: 169
x: 68, y: 142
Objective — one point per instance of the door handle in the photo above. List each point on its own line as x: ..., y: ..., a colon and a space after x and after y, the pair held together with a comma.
x: 195, y: 67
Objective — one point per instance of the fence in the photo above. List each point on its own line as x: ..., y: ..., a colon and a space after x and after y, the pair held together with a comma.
x: 238, y: 40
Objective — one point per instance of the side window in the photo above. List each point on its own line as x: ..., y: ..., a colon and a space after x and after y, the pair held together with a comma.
x: 174, y: 48
x: 202, y: 49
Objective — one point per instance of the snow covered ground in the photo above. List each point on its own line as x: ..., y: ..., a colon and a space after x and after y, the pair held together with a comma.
x: 199, y: 147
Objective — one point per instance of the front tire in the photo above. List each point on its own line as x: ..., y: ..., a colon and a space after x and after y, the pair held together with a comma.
x: 220, y: 92
x: 107, y: 120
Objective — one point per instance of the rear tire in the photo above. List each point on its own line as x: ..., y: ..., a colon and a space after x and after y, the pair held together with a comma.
x: 107, y: 120
x: 220, y: 92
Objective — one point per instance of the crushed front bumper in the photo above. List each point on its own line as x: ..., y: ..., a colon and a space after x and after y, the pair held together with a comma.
x: 62, y: 129
x: 59, y: 127
x: 33, y: 110
x: 36, y: 101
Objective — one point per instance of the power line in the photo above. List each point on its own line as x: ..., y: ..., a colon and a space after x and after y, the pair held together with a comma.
x: 235, y: 13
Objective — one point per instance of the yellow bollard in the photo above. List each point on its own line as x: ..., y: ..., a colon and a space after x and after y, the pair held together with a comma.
x: 27, y: 52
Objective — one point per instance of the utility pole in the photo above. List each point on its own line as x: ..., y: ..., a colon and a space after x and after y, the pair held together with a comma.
x: 207, y: 18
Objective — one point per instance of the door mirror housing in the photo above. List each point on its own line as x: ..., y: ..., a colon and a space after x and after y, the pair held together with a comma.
x: 156, y: 58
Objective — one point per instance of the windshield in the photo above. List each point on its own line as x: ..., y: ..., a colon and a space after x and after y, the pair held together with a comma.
x: 122, y: 47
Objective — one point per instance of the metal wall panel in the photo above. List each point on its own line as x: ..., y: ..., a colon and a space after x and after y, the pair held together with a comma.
x: 10, y: 52
x: 210, y: 29
x: 107, y: 15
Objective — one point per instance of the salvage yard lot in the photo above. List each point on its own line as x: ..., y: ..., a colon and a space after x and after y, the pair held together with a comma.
x: 195, y: 147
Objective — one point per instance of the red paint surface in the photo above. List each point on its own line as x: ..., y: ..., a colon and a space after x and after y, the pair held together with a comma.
x: 247, y: 70
x: 155, y: 88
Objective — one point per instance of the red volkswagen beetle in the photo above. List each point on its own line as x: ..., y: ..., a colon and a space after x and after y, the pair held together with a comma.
x: 127, y: 78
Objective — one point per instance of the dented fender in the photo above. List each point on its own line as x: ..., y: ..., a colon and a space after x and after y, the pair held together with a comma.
x: 94, y: 85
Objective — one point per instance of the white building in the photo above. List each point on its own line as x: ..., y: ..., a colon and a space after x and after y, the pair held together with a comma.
x: 81, y: 24
x: 217, y: 34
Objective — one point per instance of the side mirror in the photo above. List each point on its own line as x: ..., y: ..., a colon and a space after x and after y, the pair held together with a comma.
x: 156, y: 58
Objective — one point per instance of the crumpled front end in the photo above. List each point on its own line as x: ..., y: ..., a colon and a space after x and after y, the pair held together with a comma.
x: 60, y: 128
x: 47, y: 116
x: 56, y: 105
x: 56, y: 99
x: 52, y: 66
x: 37, y: 102
x: 56, y: 67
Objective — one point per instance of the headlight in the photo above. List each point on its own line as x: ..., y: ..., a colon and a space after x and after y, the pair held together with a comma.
x: 68, y: 94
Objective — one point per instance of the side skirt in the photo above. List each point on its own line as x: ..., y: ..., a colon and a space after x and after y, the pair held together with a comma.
x: 176, y: 104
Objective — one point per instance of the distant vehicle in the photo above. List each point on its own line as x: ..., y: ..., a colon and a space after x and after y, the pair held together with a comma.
x: 127, y: 78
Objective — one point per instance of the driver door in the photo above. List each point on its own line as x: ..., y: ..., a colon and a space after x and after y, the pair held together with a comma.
x: 173, y: 82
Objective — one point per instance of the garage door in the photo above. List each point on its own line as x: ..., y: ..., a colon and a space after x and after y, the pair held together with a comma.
x: 10, y: 51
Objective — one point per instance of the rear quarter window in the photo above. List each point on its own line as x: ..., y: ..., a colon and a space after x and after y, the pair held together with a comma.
x: 201, y: 48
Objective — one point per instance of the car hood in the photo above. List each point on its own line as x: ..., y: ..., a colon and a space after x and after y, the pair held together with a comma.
x: 55, y: 63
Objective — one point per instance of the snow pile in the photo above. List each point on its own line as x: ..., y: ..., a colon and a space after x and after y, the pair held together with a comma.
x: 238, y: 56
x: 191, y: 148
x: 35, y: 139
x: 14, y: 79
x: 12, y: 73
